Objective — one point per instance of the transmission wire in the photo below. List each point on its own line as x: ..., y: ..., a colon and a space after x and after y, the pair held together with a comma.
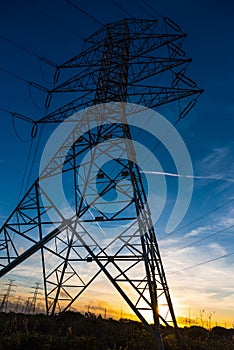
x: 29, y: 83
x: 202, y: 263
x: 121, y: 8
x: 33, y: 100
x: 84, y: 12
x: 197, y: 219
x: 36, y: 150
x: 152, y: 8
x: 202, y: 239
x: 25, y: 168
x: 148, y: 13
x: 14, y: 75
x: 64, y: 27
x: 16, y: 132
x: 41, y: 58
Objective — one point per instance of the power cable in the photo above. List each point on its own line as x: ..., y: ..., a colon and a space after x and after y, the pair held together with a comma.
x: 147, y: 12
x: 75, y: 34
x: 152, y: 8
x: 41, y: 58
x: 59, y: 23
x: 35, y: 154
x: 37, y: 146
x: 168, y: 22
x: 197, y: 219
x: 33, y: 99
x: 202, y: 239
x: 84, y: 12
x: 31, y: 83
x: 16, y: 132
x: 202, y: 263
x: 14, y: 75
x: 121, y: 8
x: 25, y: 169
x: 43, y: 74
x: 15, y: 115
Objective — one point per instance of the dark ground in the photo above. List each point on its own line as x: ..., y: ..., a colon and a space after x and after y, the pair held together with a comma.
x: 76, y: 331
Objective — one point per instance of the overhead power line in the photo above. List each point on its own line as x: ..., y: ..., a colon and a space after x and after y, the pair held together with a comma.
x: 25, y: 169
x: 84, y: 12
x: 74, y: 33
x: 14, y: 75
x: 41, y: 58
x: 203, y: 263
x: 152, y: 8
x: 17, y: 115
x: 167, y: 20
x: 58, y: 22
x: 147, y: 12
x: 203, y: 239
x: 197, y: 219
x: 121, y: 8
x: 21, y: 117
x: 31, y: 83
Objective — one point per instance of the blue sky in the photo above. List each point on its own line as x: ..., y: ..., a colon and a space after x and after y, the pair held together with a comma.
x: 52, y: 29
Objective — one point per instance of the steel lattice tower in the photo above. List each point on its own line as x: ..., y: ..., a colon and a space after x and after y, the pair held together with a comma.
x: 120, y: 64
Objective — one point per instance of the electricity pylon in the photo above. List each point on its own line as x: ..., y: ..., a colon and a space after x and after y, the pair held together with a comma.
x: 120, y: 63
x: 32, y: 306
x: 7, y: 295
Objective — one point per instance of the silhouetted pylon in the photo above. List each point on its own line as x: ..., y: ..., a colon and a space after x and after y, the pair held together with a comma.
x: 117, y: 66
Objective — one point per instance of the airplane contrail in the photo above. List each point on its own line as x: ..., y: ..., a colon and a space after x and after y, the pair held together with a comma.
x: 186, y: 176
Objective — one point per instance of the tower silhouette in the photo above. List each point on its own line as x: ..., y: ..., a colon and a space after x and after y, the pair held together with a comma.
x: 119, y: 65
x: 6, y: 296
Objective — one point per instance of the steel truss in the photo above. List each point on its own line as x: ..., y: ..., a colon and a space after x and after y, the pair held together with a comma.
x: 120, y: 64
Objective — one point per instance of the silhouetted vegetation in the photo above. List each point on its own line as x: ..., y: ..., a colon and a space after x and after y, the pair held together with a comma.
x: 76, y: 331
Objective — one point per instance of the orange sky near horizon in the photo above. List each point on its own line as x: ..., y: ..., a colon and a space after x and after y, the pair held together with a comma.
x: 109, y: 304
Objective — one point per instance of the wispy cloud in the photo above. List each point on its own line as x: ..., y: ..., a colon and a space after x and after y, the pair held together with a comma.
x: 217, y: 248
x: 197, y: 231
x: 228, y: 217
x: 216, y: 156
x: 218, y: 164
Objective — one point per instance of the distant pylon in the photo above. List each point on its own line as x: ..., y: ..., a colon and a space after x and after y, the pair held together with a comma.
x: 6, y: 296
x: 25, y: 307
x: 18, y: 303
x: 32, y: 304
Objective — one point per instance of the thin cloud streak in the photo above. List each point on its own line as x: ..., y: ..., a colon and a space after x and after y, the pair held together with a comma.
x: 186, y: 176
